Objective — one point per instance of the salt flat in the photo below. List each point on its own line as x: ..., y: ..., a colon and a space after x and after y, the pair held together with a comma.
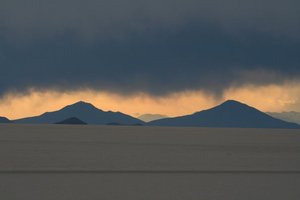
x: 107, y: 162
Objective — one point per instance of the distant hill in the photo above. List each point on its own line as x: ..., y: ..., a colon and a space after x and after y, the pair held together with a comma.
x: 83, y: 111
x: 4, y: 120
x: 287, y: 116
x: 151, y: 117
x: 72, y: 121
x: 231, y: 114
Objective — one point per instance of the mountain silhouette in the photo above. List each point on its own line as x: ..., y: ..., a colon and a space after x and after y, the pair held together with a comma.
x: 151, y: 117
x: 4, y: 120
x: 73, y: 121
x: 83, y: 111
x: 231, y: 114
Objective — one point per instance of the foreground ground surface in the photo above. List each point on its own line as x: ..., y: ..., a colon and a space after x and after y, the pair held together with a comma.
x: 155, y: 163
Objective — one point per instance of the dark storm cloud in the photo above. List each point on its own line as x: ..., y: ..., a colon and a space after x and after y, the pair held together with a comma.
x: 154, y: 46
x: 100, y: 18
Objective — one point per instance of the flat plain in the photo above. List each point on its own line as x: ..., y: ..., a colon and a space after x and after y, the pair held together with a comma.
x: 156, y: 163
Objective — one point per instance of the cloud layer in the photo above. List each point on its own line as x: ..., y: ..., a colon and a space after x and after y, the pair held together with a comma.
x: 157, y: 47
x: 106, y: 17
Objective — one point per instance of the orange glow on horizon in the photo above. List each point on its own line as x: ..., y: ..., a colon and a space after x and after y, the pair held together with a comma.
x: 273, y: 98
x: 34, y: 103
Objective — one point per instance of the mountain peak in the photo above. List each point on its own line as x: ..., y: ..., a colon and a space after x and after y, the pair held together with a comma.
x: 232, y: 103
x: 81, y: 105
x: 230, y: 114
x: 84, y: 111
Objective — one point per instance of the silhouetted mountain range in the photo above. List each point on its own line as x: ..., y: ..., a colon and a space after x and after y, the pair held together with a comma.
x: 83, y: 111
x: 4, y: 120
x: 231, y: 114
x: 72, y: 121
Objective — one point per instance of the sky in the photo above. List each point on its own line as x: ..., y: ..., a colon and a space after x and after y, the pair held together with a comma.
x: 169, y: 57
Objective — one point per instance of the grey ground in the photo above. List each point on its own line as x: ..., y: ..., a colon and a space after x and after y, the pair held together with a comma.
x: 156, y: 163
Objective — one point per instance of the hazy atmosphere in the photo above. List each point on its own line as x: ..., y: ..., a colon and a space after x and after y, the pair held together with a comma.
x: 188, y: 55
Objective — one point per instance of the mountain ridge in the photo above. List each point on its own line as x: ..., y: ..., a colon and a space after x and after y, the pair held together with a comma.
x: 83, y: 111
x: 230, y: 114
x: 5, y: 120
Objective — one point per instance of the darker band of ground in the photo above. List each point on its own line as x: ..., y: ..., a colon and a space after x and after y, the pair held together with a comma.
x: 78, y: 171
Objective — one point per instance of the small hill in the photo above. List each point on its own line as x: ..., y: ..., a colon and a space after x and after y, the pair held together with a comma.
x: 231, y: 114
x: 83, y: 111
x: 73, y: 121
x: 151, y: 117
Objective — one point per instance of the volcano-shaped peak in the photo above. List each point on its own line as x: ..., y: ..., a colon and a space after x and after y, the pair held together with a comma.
x: 83, y: 111
x: 232, y: 102
x: 232, y: 106
x: 81, y: 105
x: 231, y: 114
